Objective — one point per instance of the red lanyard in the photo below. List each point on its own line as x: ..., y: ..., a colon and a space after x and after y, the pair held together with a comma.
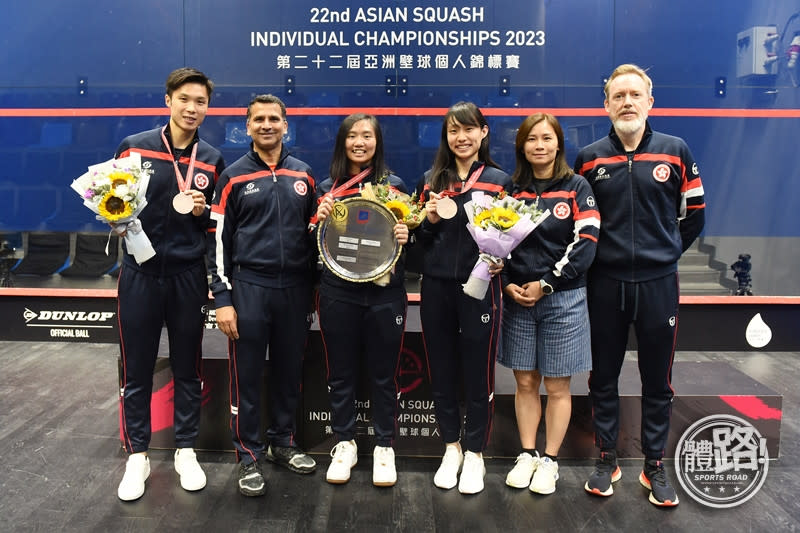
x: 183, y: 183
x: 335, y: 192
x: 352, y: 181
x: 467, y: 186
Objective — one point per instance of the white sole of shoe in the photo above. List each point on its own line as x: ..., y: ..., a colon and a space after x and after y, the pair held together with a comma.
x: 139, y: 494
x: 521, y: 486
x: 543, y: 491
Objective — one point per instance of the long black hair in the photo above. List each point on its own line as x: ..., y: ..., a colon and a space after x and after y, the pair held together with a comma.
x: 443, y: 171
x: 340, y: 165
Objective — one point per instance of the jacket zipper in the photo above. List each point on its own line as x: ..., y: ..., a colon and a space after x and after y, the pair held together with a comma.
x: 277, y: 197
x: 633, y: 214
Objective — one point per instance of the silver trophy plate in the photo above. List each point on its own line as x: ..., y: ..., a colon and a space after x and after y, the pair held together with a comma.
x: 356, y: 241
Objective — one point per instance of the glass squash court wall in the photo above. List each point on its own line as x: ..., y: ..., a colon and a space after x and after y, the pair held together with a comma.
x: 74, y: 83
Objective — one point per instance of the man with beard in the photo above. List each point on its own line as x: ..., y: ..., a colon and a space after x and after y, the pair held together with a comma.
x: 651, y: 201
x: 261, y: 264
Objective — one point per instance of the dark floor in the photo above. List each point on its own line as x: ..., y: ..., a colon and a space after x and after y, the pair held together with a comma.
x: 60, y: 463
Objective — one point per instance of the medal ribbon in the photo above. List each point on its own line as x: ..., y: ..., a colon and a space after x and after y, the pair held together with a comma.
x: 352, y: 181
x: 183, y: 183
x: 467, y: 186
x: 336, y: 192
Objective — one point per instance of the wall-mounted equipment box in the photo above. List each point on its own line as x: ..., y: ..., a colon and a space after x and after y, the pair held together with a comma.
x: 755, y: 51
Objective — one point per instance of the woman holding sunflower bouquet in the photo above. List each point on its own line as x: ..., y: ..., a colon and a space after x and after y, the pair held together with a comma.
x: 545, y: 318
x: 361, y: 323
x: 459, y: 331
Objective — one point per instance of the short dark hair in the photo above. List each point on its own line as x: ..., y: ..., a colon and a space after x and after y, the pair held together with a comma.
x: 266, y: 99
x: 179, y: 77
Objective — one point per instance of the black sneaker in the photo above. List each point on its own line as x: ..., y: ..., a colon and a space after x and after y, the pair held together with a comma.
x: 605, y: 473
x: 654, y: 478
x: 292, y: 458
x: 251, y: 480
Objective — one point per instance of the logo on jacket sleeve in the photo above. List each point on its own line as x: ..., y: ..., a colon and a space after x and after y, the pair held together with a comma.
x: 661, y: 173
x: 561, y: 210
x: 300, y: 188
x: 201, y: 181
x: 695, y: 170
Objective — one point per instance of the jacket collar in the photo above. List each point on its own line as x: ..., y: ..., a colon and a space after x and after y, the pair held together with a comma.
x: 256, y: 157
x: 168, y: 135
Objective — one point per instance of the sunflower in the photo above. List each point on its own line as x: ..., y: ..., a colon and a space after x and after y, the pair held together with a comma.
x: 504, y: 218
x: 483, y: 218
x: 114, y: 208
x: 120, y: 178
x: 398, y: 208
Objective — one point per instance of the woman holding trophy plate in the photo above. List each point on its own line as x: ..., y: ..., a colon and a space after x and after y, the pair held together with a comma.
x: 460, y: 332
x: 362, y: 314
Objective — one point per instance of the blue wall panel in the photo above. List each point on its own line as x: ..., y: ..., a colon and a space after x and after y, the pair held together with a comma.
x: 124, y: 50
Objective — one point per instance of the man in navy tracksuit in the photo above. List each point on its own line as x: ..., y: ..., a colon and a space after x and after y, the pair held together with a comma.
x: 651, y: 201
x: 171, y: 287
x: 261, y: 264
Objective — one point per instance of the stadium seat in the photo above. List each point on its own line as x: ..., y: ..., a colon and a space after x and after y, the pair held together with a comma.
x: 45, y: 253
x: 91, y: 260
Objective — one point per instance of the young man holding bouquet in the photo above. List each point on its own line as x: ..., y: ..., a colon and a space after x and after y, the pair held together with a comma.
x: 262, y: 264
x: 651, y: 200
x: 170, y: 288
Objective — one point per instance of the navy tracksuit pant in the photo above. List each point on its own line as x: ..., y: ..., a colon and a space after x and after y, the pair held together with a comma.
x: 145, y: 303
x: 278, y: 319
x: 652, y: 307
x: 460, y: 335
x: 357, y: 335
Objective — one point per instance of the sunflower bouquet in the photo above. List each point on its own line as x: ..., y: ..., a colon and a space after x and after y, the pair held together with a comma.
x: 406, y: 208
x: 498, y: 225
x: 115, y: 192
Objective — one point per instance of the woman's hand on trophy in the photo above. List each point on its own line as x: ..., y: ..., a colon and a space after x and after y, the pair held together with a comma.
x: 401, y: 233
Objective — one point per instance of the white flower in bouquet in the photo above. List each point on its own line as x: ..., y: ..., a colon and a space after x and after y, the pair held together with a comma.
x: 115, y: 192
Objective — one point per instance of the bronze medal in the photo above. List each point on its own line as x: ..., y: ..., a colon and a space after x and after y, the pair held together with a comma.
x: 183, y: 203
x: 446, y: 207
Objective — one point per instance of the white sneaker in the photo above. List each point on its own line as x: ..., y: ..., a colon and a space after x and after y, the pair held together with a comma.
x: 471, y: 481
x: 384, y: 473
x: 520, y: 475
x: 345, y: 457
x: 544, y: 479
x: 187, y: 467
x: 447, y: 475
x: 136, y: 471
